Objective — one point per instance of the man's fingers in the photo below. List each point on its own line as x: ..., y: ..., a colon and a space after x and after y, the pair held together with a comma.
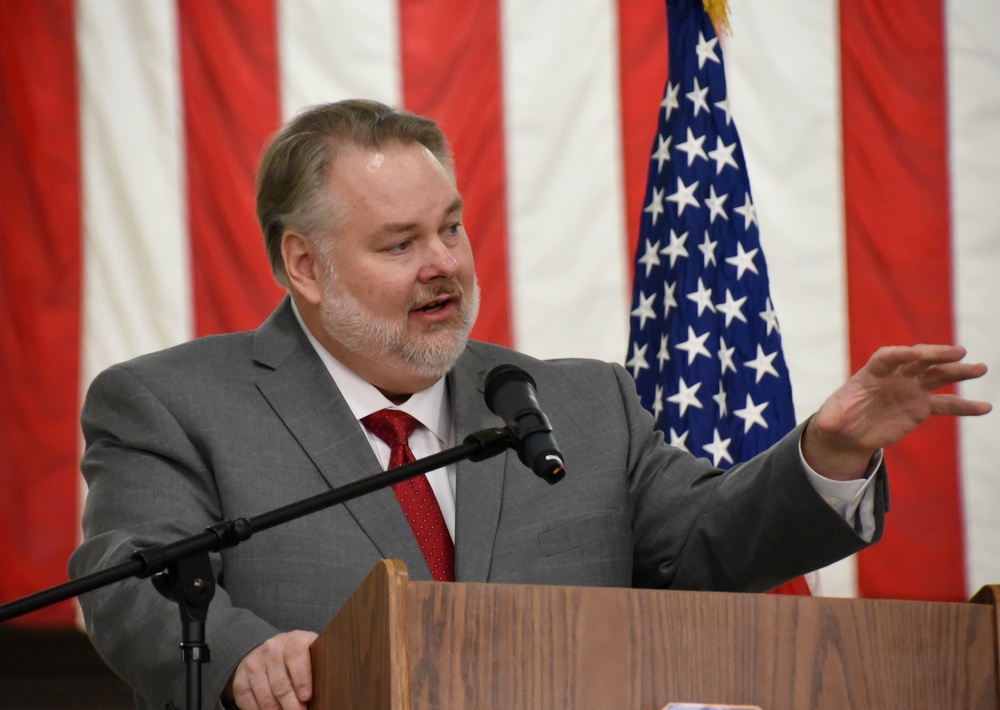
x: 298, y: 663
x: 943, y: 361
x: 887, y: 359
x: 931, y: 356
x: 954, y: 405
x: 244, y: 698
x: 244, y: 693
x: 940, y: 353
x: 276, y: 674
x: 280, y: 684
x: 901, y: 354
x: 942, y: 375
x: 289, y: 671
x: 259, y: 691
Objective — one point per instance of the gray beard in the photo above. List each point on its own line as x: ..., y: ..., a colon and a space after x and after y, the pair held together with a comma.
x: 431, y: 355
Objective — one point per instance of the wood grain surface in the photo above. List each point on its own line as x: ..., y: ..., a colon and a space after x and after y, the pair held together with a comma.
x: 533, y: 647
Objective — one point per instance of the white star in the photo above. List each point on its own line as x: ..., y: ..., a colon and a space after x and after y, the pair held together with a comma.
x: 638, y: 361
x: 657, y: 402
x: 748, y: 211
x: 683, y: 196
x: 655, y: 206
x: 662, y: 153
x: 724, y: 105
x: 770, y: 317
x: 719, y: 448
x: 751, y: 414
x: 733, y: 308
x: 670, y: 102
x: 692, y: 146
x: 687, y: 397
x: 675, y: 249
x: 714, y: 204
x: 663, y: 355
x: 695, y: 345
x: 726, y: 356
x: 650, y: 258
x: 703, y: 297
x: 699, y: 97
x: 743, y: 261
x: 644, y: 311
x: 723, y: 154
x: 762, y: 363
x: 720, y: 399
x: 678, y: 440
x: 705, y: 49
x: 707, y: 248
x: 669, y: 300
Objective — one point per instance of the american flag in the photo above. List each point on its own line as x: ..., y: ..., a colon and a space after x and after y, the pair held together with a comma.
x: 705, y: 346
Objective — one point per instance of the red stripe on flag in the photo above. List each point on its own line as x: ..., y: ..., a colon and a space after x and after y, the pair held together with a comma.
x: 451, y: 72
x: 899, y: 271
x: 229, y: 68
x: 40, y: 277
x: 643, y: 61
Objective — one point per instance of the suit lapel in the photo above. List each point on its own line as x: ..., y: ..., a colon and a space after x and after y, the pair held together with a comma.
x: 479, y: 486
x: 303, y: 395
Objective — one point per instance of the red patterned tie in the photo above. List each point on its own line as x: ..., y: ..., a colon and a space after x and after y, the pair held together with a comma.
x: 415, y: 495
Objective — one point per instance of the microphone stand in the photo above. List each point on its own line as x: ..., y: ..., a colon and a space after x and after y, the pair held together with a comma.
x: 181, y: 570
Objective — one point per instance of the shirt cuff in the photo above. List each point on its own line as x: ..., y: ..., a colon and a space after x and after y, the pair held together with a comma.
x: 853, y: 500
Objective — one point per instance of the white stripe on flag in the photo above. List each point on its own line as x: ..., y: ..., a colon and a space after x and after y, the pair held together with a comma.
x: 784, y: 90
x: 784, y: 82
x: 337, y: 50
x: 136, y: 275
x: 566, y: 216
x: 974, y: 93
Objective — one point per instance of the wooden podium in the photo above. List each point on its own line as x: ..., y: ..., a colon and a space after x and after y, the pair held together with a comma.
x: 402, y: 645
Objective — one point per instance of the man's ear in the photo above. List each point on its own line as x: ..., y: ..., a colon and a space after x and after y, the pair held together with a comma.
x: 305, y: 271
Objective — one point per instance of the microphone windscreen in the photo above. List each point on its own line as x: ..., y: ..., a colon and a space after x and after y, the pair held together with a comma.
x: 500, y: 376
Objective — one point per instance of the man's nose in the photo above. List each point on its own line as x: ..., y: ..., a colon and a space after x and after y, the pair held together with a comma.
x: 440, y: 262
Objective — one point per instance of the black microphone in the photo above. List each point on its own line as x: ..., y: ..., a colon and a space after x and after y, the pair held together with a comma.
x: 510, y: 394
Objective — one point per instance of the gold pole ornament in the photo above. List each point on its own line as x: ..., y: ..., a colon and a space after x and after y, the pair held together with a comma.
x: 718, y: 10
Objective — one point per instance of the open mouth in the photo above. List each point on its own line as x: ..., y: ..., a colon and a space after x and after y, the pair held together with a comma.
x: 436, y: 305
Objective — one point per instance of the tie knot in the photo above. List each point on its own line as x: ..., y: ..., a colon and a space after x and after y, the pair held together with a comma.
x: 393, y: 426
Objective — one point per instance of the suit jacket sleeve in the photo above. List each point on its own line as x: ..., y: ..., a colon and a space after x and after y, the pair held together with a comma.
x: 750, y: 528
x: 150, y: 484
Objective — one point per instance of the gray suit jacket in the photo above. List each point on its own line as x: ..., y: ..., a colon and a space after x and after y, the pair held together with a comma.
x: 235, y: 425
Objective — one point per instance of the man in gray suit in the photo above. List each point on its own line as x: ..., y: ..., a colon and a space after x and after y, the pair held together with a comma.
x: 363, y: 225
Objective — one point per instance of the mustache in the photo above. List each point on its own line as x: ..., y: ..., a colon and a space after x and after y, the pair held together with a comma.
x: 449, y: 288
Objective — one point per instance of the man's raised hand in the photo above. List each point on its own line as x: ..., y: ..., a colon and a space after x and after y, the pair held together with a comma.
x: 886, y: 399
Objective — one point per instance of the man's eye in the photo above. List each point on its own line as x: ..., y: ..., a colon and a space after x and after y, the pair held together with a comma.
x: 453, y: 228
x: 400, y: 247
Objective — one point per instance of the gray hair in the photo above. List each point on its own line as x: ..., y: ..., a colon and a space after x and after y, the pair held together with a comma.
x: 296, y: 164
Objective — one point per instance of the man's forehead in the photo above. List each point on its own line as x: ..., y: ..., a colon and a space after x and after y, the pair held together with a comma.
x: 374, y: 158
x: 390, y: 188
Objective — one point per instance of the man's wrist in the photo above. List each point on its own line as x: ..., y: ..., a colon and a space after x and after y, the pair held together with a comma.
x: 831, y: 456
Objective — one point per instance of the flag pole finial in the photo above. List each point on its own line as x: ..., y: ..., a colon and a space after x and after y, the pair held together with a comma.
x: 718, y: 10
